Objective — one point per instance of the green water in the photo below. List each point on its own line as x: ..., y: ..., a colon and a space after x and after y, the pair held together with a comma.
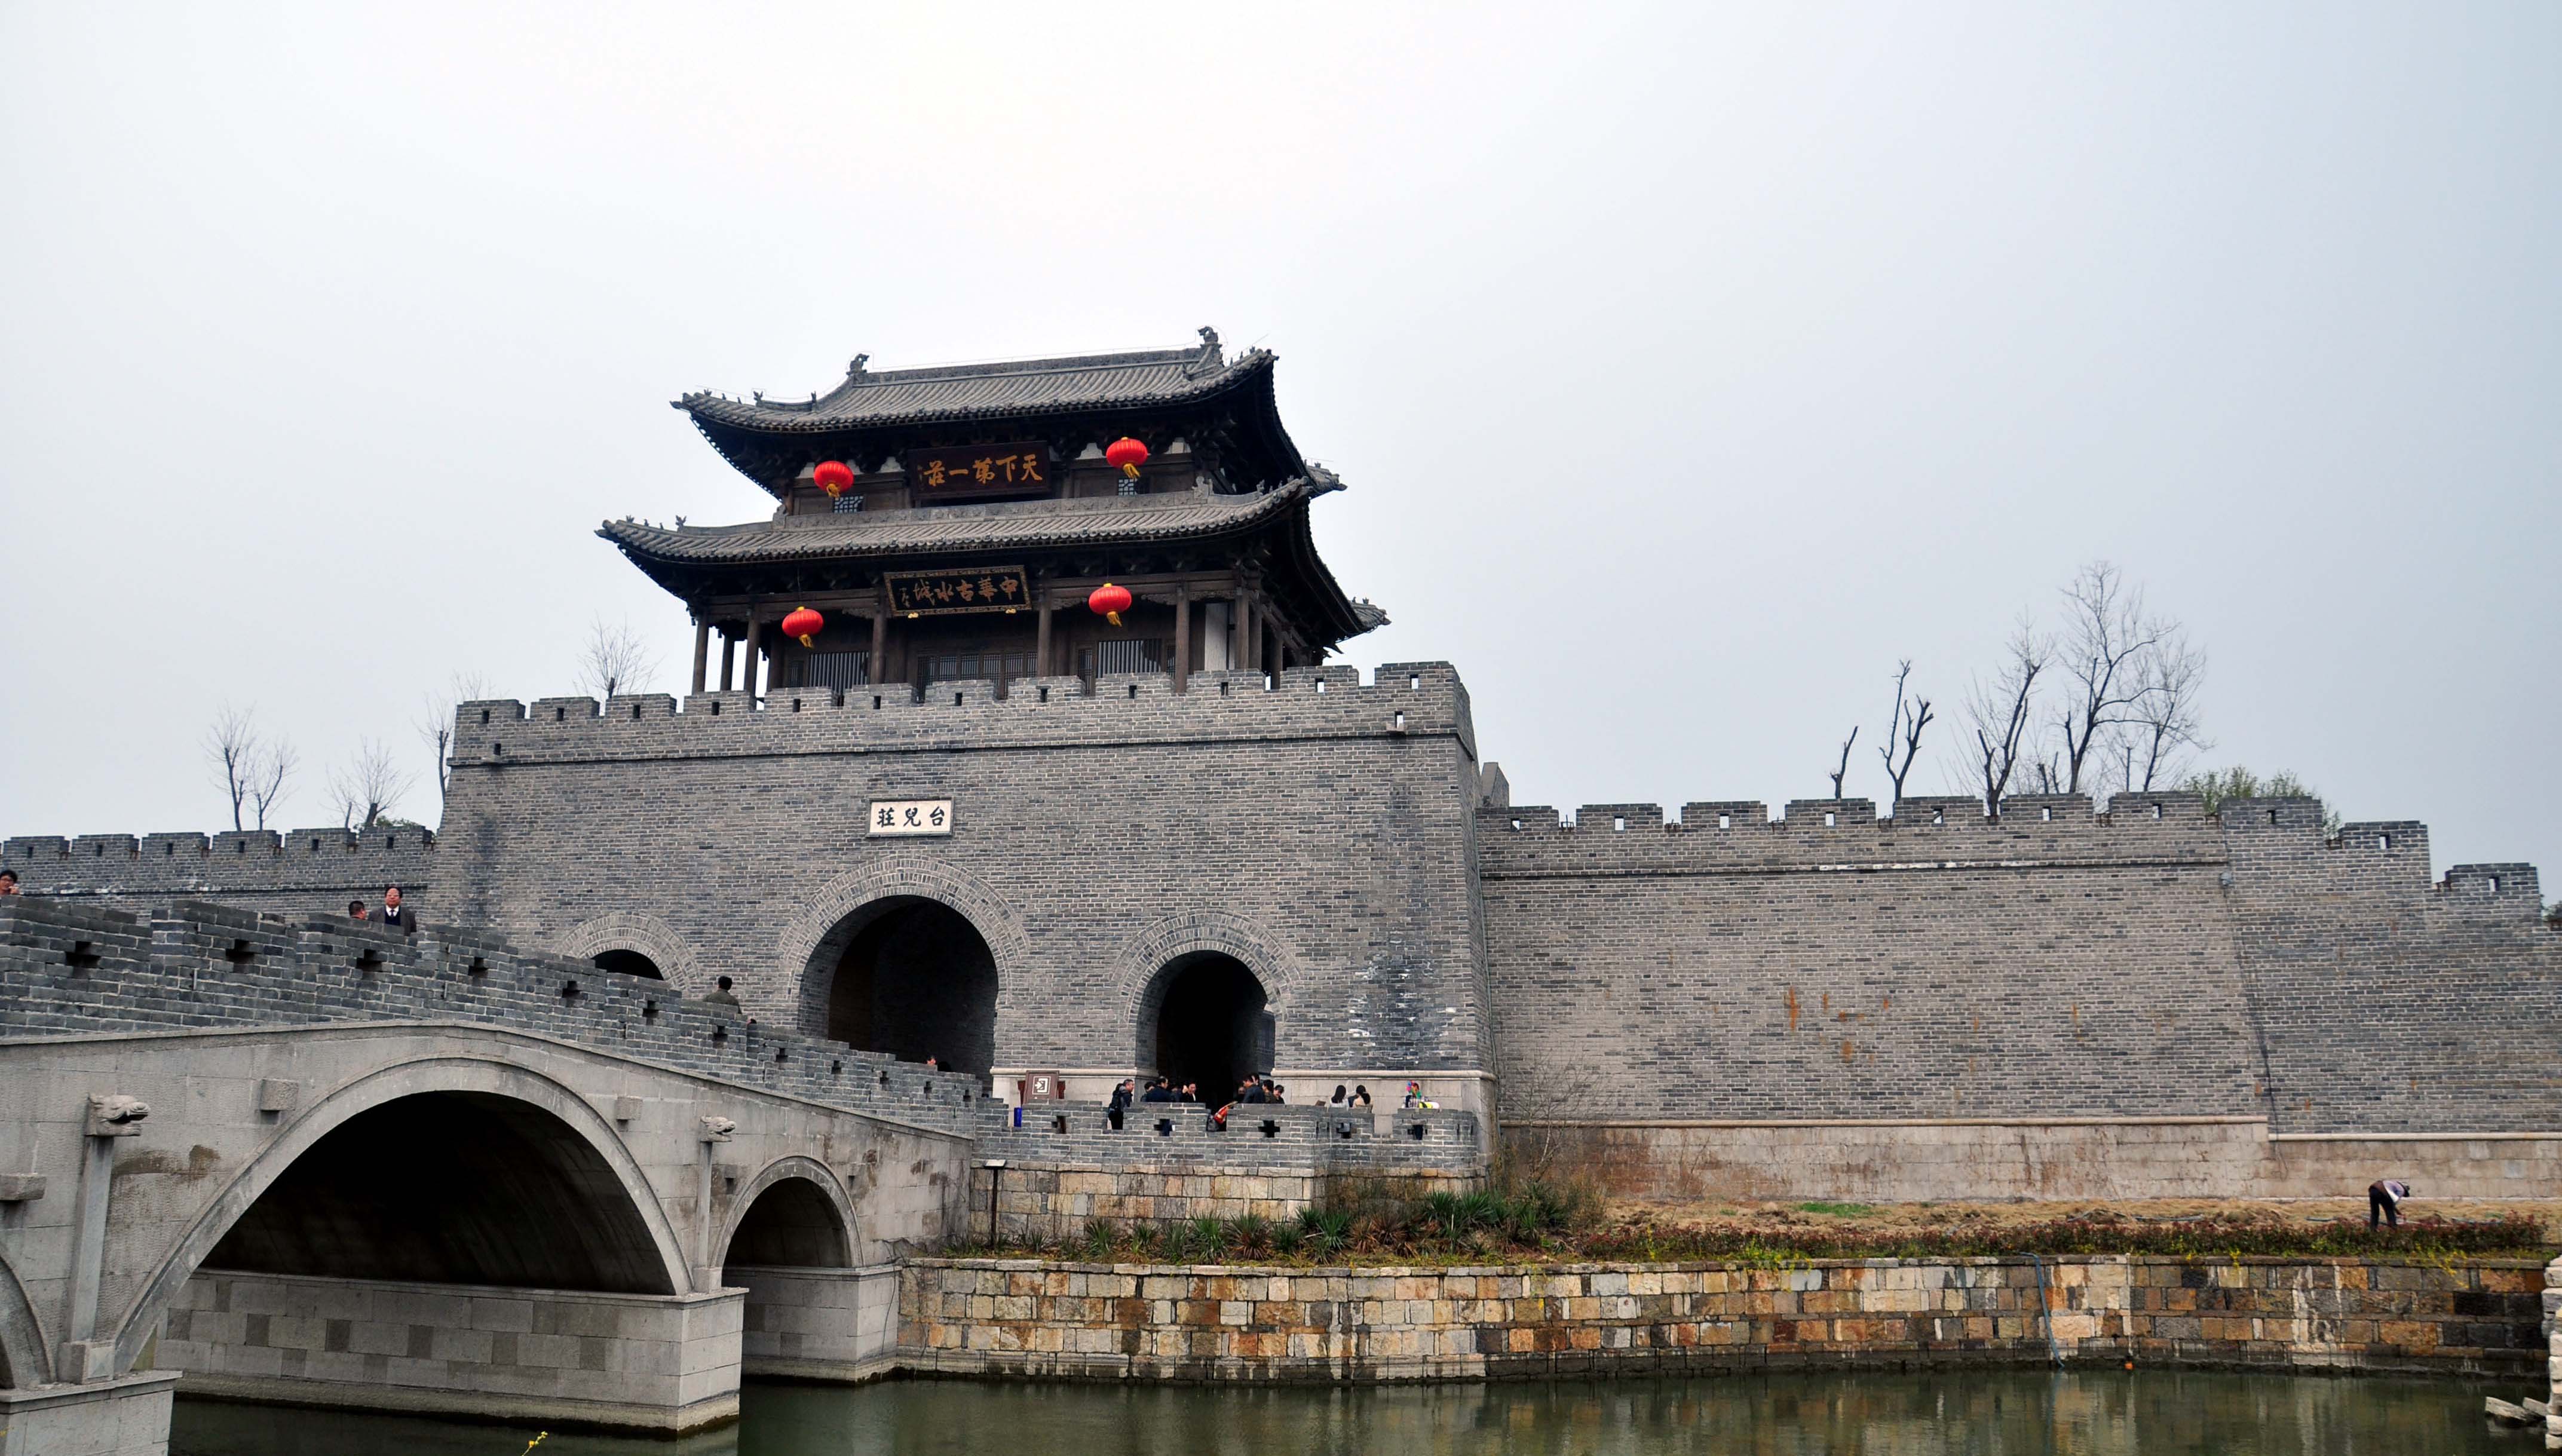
x: 1976, y: 1413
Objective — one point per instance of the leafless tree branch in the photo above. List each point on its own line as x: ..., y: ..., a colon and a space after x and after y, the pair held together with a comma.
x: 1999, y: 712
x: 232, y: 742
x: 274, y: 769
x: 2108, y: 638
x: 435, y: 728
x: 1842, y: 769
x: 615, y: 660
x: 367, y: 787
x: 1904, y: 728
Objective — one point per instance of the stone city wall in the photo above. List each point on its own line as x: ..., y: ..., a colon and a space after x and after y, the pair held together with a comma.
x: 1319, y: 830
x: 807, y: 1324
x: 296, y: 873
x: 1825, y: 1002
x: 1032, y: 1318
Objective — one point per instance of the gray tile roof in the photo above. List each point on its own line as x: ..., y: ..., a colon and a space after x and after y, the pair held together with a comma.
x: 993, y: 390
x: 1003, y: 526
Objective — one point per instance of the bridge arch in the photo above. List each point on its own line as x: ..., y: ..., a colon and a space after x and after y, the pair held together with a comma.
x: 805, y: 1215
x: 22, y: 1359
x: 655, y: 1254
x: 816, y: 940
x: 624, y: 933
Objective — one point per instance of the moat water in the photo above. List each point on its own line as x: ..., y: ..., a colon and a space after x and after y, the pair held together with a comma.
x: 1951, y: 1414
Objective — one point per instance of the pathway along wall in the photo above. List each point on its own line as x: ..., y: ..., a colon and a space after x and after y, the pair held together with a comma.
x: 1037, y: 1318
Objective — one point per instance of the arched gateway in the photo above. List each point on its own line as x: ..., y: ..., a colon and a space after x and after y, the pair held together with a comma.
x: 1205, y: 1019
x: 913, y: 978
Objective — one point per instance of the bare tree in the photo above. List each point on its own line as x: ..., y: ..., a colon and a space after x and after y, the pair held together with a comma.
x: 274, y: 769
x: 232, y: 742
x: 1904, y: 728
x: 615, y: 660
x: 367, y: 787
x: 2106, y: 644
x: 1842, y: 769
x: 1999, y: 712
x: 2163, y: 724
x: 436, y: 727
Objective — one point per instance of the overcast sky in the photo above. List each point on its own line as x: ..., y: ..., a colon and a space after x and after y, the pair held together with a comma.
x: 1688, y: 365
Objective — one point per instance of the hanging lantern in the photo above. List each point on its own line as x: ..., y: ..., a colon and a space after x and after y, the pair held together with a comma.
x: 805, y: 624
x: 833, y: 477
x: 1128, y: 454
x: 1110, y: 600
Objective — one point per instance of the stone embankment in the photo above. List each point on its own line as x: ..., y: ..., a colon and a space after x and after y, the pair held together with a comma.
x: 1057, y: 1319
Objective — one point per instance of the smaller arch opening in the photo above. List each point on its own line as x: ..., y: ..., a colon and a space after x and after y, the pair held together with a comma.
x: 1206, y: 1022
x: 790, y: 1225
x: 628, y: 963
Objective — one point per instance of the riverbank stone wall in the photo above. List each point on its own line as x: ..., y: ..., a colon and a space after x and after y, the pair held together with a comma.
x: 1049, y: 1319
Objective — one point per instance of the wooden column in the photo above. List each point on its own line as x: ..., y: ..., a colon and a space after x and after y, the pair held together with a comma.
x: 1182, y: 636
x: 1236, y: 658
x: 729, y: 647
x: 880, y: 635
x: 1041, y: 640
x: 702, y: 650
x: 748, y: 659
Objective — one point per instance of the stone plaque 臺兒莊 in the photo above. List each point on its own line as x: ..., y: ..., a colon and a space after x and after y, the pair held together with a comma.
x: 891, y: 816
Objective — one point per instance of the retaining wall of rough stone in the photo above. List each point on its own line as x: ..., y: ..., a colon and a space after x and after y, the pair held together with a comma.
x: 1038, y: 1318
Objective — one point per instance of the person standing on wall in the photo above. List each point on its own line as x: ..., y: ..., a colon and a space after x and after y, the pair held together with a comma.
x: 720, y: 994
x: 2383, y: 1199
x: 1120, y: 1102
x: 395, y: 914
x: 7, y: 881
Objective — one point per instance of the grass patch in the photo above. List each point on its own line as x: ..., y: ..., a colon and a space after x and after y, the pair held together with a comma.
x: 1545, y: 1223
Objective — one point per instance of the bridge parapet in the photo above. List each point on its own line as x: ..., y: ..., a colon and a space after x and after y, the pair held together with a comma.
x: 69, y: 969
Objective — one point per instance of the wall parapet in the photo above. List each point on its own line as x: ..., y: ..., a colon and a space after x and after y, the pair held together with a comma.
x: 1403, y: 699
x: 1268, y: 1138
x: 296, y: 863
x: 69, y: 969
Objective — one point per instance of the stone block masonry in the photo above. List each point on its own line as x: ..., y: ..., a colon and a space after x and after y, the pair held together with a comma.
x: 2054, y: 1004
x: 503, y: 1353
x: 1043, y: 1319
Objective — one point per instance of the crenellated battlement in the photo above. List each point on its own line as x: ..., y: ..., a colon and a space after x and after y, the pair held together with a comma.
x: 1742, y: 836
x: 1403, y: 699
x: 68, y: 968
x: 295, y: 869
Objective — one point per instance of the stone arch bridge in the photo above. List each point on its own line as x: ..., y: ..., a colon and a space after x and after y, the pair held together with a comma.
x: 330, y: 1163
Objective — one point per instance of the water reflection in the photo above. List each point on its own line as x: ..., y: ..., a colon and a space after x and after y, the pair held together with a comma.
x: 1987, y: 1413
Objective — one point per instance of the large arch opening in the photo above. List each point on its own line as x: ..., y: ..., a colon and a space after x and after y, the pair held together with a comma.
x: 915, y: 980
x: 1206, y: 1022
x: 450, y: 1187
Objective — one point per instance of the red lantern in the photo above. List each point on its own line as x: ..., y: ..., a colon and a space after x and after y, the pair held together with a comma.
x: 1110, y: 600
x: 805, y: 624
x: 833, y: 477
x: 1128, y: 454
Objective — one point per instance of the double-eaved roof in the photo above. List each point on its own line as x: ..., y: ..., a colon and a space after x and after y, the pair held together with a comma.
x: 1198, y: 393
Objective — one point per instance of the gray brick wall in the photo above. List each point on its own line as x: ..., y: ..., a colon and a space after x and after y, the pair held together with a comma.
x: 2150, y: 961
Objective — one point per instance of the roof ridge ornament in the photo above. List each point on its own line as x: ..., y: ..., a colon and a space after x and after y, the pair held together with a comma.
x: 855, y: 370
x: 1210, y: 359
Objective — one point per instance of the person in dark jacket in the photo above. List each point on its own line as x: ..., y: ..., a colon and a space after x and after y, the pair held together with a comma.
x: 1157, y: 1091
x: 1120, y: 1103
x: 2384, y: 1200
x: 395, y: 914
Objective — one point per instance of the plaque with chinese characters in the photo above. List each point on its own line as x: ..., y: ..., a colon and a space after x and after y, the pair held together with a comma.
x: 980, y: 589
x: 892, y: 817
x: 978, y: 472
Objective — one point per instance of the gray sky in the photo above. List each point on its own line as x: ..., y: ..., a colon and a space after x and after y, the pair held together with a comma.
x: 1688, y: 365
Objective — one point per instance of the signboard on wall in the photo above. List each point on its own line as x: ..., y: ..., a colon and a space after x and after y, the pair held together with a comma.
x: 979, y: 471
x: 894, y: 817
x: 938, y: 593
